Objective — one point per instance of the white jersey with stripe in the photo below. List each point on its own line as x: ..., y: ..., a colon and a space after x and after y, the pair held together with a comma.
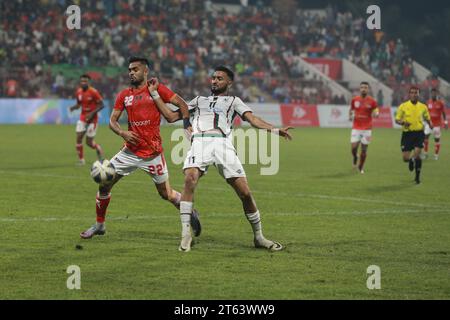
x: 215, y: 113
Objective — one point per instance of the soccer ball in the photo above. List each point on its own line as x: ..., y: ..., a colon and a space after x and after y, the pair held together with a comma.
x: 103, y: 171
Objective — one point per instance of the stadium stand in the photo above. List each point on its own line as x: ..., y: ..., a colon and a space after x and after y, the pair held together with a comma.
x: 257, y: 41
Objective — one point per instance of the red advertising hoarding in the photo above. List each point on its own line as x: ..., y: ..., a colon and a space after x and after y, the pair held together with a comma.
x: 384, y: 120
x: 299, y: 115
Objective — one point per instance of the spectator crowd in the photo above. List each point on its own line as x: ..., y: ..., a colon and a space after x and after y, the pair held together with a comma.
x: 184, y: 39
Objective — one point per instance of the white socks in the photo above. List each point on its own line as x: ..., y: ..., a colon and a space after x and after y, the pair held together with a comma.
x: 255, y: 222
x: 185, y: 216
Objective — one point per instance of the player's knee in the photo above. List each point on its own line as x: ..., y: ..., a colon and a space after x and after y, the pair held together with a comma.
x: 190, y: 180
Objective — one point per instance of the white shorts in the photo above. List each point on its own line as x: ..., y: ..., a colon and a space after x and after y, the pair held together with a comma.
x: 91, y: 128
x: 219, y: 151
x: 363, y: 136
x: 126, y: 162
x: 436, y: 131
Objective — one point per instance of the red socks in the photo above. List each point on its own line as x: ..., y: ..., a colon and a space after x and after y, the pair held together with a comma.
x: 80, y: 151
x: 437, y: 147
x: 425, y: 145
x: 98, y: 149
x: 102, y: 203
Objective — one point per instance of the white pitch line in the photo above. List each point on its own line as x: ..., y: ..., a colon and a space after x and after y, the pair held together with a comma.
x: 328, y: 197
x: 280, y: 193
x: 143, y: 216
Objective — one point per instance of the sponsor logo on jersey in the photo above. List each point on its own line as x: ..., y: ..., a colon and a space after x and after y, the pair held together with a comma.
x: 140, y: 123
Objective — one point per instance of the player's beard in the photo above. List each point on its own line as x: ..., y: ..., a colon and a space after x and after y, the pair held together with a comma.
x: 136, y: 82
x: 218, y: 90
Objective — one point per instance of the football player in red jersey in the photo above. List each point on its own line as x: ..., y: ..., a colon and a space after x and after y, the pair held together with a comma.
x: 436, y: 108
x: 91, y: 102
x: 142, y: 141
x: 362, y: 109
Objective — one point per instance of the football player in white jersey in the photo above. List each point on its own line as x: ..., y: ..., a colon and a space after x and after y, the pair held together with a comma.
x: 212, y: 119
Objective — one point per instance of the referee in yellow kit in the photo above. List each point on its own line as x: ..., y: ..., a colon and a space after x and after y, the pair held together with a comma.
x: 411, y: 115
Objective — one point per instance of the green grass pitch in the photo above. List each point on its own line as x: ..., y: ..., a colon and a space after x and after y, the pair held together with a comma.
x: 334, y: 224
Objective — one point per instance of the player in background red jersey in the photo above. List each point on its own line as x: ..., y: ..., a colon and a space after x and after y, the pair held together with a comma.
x: 91, y: 102
x: 436, y: 108
x: 362, y: 109
x: 142, y: 141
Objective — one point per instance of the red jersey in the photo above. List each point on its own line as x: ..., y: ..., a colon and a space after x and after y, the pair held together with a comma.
x: 435, y: 108
x: 143, y: 118
x: 363, y: 108
x: 89, y: 100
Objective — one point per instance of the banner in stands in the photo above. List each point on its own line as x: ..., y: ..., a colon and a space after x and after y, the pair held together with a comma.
x: 330, y: 67
x: 299, y: 115
x: 49, y: 111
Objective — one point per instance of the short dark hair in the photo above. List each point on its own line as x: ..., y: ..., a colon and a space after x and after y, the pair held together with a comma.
x: 365, y: 82
x: 434, y: 89
x: 227, y: 70
x: 414, y: 88
x: 139, y: 59
x: 85, y: 75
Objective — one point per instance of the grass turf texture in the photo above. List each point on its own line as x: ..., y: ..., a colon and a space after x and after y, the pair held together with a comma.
x: 334, y: 223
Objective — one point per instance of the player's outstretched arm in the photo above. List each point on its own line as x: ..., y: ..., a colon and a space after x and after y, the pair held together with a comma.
x: 183, y: 111
x: 168, y: 114
x: 259, y: 123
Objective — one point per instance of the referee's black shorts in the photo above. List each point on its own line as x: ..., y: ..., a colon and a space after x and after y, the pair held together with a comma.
x: 412, y: 140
